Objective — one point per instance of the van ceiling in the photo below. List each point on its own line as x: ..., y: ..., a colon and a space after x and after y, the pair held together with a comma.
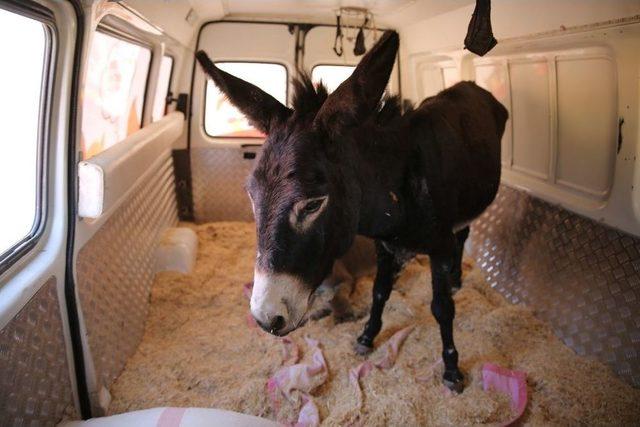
x: 171, y: 15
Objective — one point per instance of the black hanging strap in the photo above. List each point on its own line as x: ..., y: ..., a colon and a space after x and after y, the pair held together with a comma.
x: 479, y: 39
x: 359, y: 48
x: 337, y: 43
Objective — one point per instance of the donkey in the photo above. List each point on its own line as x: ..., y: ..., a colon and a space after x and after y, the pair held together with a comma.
x: 338, y: 165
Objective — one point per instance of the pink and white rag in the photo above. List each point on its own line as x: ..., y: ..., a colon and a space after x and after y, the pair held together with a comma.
x: 298, y: 381
x: 512, y: 383
x: 389, y: 351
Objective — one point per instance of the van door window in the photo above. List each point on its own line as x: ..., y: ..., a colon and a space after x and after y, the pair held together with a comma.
x: 114, y: 92
x: 331, y: 75
x: 221, y: 119
x: 25, y: 50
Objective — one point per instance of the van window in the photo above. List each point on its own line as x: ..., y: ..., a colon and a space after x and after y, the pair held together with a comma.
x: 25, y: 49
x: 114, y: 91
x: 331, y: 75
x: 162, y: 89
x: 221, y: 119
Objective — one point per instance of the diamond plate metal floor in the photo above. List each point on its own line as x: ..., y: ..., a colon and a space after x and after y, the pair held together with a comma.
x: 580, y: 276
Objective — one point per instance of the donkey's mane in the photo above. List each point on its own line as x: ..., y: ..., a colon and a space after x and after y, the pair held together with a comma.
x: 388, y: 110
x: 309, y: 97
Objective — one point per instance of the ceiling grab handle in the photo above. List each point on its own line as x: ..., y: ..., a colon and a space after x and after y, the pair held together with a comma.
x: 338, y: 42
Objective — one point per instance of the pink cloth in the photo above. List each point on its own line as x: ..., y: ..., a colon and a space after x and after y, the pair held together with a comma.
x: 297, y: 381
x: 513, y: 383
x: 302, y: 376
x: 171, y: 417
x: 390, y: 353
x: 392, y: 347
x: 309, y: 415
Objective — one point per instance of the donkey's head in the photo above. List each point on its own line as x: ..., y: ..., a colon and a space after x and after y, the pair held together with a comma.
x: 303, y: 191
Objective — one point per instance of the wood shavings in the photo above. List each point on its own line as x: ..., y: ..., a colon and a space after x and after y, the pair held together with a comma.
x: 198, y: 351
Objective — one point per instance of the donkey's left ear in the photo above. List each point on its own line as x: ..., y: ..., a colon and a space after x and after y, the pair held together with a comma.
x: 358, y: 96
x: 263, y: 110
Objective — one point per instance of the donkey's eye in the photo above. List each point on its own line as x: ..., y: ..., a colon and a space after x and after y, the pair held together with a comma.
x: 305, y: 212
x: 313, y: 206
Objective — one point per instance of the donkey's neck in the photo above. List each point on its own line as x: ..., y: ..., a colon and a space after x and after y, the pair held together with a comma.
x: 380, y: 166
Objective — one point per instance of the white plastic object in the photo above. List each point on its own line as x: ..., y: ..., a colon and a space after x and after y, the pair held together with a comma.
x: 175, y: 417
x: 177, y: 250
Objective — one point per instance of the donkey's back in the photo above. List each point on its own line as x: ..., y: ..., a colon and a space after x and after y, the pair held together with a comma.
x: 458, y: 134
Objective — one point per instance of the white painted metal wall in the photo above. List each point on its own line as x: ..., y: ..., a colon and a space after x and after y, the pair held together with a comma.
x: 566, y: 89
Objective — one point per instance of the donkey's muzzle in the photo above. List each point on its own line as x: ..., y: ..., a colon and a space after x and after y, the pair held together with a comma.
x: 278, y: 302
x: 274, y: 326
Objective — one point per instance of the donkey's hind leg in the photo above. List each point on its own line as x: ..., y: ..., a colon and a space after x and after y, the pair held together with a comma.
x: 443, y: 309
x: 389, y: 265
x: 461, y: 238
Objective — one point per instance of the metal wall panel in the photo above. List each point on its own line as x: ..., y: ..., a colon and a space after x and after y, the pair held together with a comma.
x: 580, y: 276
x: 219, y: 175
x: 115, y: 271
x: 35, y: 384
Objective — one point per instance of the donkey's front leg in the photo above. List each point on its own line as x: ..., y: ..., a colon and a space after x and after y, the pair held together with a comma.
x: 461, y: 238
x: 389, y: 266
x: 443, y: 309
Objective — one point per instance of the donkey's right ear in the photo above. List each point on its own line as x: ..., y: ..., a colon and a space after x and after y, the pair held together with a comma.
x: 263, y: 110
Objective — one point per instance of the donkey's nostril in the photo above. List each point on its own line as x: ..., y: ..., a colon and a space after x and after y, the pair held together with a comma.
x: 276, y: 324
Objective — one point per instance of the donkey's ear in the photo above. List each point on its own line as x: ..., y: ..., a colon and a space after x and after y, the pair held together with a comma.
x: 358, y: 96
x: 263, y: 110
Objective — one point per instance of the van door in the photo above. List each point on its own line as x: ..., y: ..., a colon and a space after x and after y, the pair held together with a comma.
x: 36, y: 366
x: 223, y: 145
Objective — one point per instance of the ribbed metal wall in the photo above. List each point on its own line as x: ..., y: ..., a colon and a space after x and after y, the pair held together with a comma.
x: 35, y: 383
x: 115, y: 270
x: 580, y: 276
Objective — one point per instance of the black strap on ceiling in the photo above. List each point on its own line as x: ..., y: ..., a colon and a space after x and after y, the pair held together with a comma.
x: 338, y: 42
x: 359, y: 48
x: 479, y: 39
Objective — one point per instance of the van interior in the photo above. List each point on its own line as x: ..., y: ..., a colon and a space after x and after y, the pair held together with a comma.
x: 128, y: 239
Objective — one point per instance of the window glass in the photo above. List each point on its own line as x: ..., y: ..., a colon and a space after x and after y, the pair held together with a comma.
x: 331, y: 75
x: 162, y: 89
x: 221, y: 119
x: 113, y: 95
x: 23, y: 45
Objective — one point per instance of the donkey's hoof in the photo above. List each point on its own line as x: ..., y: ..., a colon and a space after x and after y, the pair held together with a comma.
x: 362, y: 349
x: 454, y: 381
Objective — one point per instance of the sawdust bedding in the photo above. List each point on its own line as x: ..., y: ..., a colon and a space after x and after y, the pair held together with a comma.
x: 200, y: 350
